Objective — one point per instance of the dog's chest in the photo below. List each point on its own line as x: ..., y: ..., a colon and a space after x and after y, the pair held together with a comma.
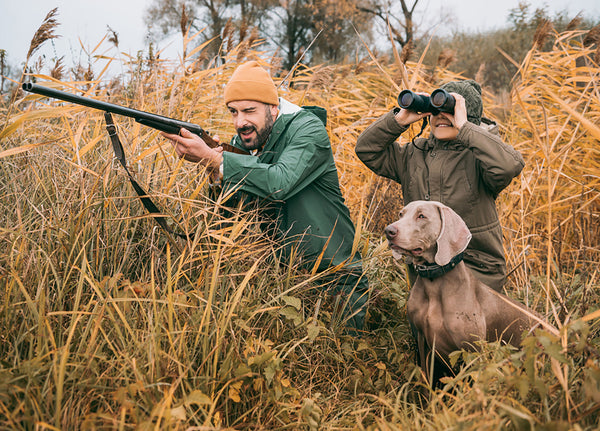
x: 447, y: 323
x: 424, y: 310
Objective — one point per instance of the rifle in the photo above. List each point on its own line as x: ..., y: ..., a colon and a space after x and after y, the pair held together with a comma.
x: 165, y: 124
x: 159, y: 122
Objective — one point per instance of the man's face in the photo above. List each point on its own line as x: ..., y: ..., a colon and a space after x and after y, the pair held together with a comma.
x: 253, y: 122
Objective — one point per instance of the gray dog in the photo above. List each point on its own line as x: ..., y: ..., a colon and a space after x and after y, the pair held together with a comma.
x: 448, y: 308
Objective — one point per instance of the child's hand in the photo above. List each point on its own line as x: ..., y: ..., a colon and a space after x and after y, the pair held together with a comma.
x: 460, y: 111
x: 404, y: 117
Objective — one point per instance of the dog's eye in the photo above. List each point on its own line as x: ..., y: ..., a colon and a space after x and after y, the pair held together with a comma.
x: 421, y: 216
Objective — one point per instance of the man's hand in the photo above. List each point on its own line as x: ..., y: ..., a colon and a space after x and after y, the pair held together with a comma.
x: 192, y: 148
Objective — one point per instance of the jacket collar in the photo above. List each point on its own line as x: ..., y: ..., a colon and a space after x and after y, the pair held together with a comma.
x: 433, y: 270
x: 287, y: 111
x: 435, y: 143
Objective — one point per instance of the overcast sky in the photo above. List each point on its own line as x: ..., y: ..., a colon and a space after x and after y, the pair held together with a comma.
x: 87, y: 20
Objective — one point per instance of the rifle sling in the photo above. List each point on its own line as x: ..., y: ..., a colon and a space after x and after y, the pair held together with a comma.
x: 146, y: 201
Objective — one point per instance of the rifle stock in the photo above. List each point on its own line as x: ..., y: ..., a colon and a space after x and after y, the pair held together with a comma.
x: 159, y: 122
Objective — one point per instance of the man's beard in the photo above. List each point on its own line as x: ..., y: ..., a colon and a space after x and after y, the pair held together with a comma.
x: 262, y: 135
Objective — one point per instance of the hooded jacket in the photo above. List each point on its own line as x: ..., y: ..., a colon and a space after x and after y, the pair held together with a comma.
x: 295, y: 183
x: 466, y: 174
x: 296, y: 179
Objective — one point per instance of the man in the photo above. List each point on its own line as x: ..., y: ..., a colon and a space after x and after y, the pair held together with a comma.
x: 291, y: 168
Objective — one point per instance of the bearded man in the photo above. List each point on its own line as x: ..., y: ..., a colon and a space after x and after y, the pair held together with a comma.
x: 291, y: 173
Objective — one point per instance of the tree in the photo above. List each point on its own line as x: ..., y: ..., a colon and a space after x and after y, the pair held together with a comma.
x: 293, y: 18
x: 328, y: 25
x: 339, y: 20
x: 401, y: 20
x: 214, y: 17
x: 483, y: 55
x: 399, y: 16
x: 287, y: 25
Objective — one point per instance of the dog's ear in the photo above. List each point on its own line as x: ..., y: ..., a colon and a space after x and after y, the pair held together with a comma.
x: 454, y: 236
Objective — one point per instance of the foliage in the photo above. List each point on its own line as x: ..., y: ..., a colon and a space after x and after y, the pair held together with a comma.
x: 397, y: 18
x: 216, y: 21
x: 106, y: 322
x: 493, y: 57
x: 290, y: 26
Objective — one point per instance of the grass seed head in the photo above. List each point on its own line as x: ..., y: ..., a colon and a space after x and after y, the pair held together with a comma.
x: 446, y: 57
x: 592, y: 36
x: 407, y: 51
x: 542, y: 33
x: 113, y: 36
x: 44, y: 32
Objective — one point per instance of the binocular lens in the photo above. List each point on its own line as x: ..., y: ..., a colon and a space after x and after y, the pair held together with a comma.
x: 406, y: 99
x: 438, y: 99
x: 443, y: 100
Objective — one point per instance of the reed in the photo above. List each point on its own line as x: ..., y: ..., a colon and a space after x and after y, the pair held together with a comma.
x: 105, y: 322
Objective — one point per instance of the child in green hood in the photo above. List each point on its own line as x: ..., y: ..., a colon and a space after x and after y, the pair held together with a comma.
x: 463, y: 164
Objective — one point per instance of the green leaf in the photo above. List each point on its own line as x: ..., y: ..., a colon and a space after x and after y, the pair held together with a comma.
x: 291, y: 314
x: 243, y: 369
x: 262, y: 358
x: 313, y: 331
x: 293, y: 302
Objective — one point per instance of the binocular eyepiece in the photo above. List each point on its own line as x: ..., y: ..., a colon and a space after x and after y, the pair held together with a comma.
x: 439, y: 101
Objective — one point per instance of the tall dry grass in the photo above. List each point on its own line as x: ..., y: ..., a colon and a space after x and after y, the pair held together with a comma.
x: 106, y: 322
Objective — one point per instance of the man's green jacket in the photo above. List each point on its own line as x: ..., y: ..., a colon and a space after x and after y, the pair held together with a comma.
x: 296, y: 175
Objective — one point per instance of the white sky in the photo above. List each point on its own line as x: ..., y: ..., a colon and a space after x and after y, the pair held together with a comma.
x: 489, y: 14
x: 88, y: 20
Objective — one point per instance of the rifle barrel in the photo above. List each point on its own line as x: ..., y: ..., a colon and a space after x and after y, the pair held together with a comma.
x: 160, y: 122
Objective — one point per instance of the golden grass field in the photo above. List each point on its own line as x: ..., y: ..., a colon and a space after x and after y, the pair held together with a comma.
x: 107, y: 322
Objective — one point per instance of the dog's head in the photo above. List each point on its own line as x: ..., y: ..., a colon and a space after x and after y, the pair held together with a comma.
x: 428, y: 231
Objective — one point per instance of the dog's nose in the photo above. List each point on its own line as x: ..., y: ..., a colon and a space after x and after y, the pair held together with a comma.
x: 390, y: 231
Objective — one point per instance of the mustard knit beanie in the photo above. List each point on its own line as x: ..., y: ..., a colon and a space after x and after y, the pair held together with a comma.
x: 251, y: 82
x: 471, y: 91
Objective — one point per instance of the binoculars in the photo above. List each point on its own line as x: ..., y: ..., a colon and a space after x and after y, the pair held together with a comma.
x: 439, y: 101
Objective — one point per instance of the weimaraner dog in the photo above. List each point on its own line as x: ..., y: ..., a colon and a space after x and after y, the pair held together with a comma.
x: 448, y: 308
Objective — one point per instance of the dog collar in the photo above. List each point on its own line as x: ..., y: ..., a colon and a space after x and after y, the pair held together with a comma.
x: 433, y: 270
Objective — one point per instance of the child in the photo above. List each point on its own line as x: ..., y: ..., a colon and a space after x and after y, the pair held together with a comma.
x: 463, y: 164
